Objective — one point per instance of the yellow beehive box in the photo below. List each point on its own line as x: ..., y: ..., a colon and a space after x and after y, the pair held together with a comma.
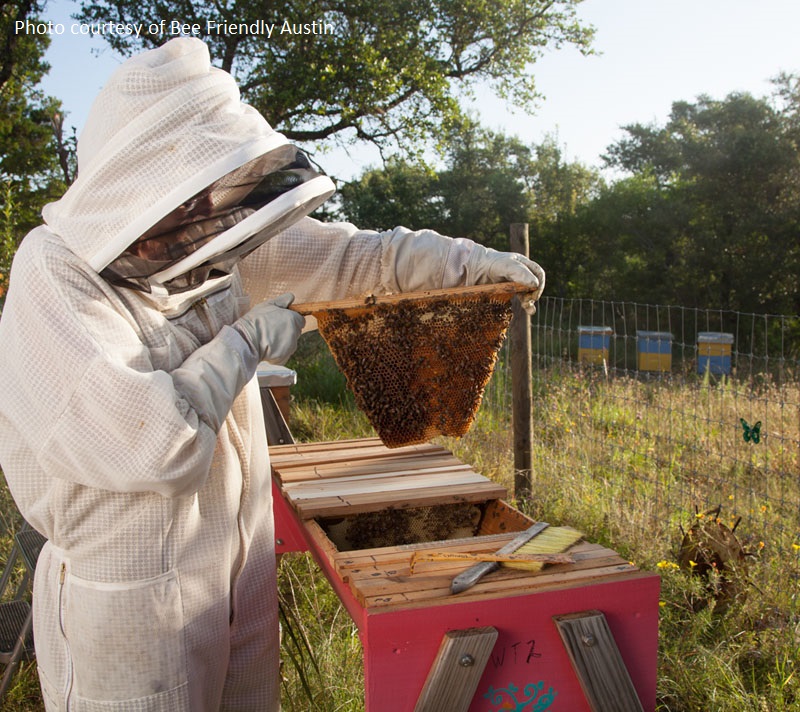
x: 654, y: 349
x: 714, y: 352
x: 593, y: 342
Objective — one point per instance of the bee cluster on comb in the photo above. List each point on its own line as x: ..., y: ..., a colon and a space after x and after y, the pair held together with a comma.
x: 418, y: 366
x: 396, y: 527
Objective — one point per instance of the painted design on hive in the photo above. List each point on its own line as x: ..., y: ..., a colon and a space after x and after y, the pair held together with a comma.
x: 529, y: 700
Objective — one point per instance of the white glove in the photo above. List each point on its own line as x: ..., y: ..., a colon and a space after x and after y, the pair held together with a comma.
x: 488, y: 266
x: 213, y: 375
x: 426, y: 260
x: 272, y: 329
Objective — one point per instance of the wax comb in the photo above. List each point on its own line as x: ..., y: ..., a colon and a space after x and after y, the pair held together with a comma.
x: 417, y: 363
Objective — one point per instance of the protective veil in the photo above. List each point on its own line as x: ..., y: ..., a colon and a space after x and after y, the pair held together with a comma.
x: 131, y: 431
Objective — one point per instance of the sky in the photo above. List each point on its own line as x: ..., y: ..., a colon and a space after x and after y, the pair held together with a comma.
x: 650, y: 53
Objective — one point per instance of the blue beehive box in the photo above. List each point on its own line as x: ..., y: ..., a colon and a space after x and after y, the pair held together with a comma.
x: 593, y: 342
x: 654, y: 350
x: 714, y: 352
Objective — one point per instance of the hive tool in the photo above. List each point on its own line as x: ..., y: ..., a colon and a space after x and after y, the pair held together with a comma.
x: 467, y: 579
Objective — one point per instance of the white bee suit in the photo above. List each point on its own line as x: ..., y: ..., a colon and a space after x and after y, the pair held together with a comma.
x: 131, y: 431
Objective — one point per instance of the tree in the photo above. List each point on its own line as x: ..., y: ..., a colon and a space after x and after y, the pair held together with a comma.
x: 730, y: 170
x: 385, y: 72
x: 559, y: 191
x: 30, y: 171
x: 485, y: 186
x: 401, y: 193
x: 26, y: 115
x: 488, y: 182
x: 630, y: 244
x: 479, y: 192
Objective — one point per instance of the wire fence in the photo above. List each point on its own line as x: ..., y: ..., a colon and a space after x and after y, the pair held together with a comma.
x: 664, y: 413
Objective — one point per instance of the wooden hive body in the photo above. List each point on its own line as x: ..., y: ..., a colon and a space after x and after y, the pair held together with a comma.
x: 327, y: 482
x: 402, y: 617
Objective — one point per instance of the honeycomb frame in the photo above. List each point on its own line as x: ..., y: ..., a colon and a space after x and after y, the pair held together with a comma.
x: 417, y: 364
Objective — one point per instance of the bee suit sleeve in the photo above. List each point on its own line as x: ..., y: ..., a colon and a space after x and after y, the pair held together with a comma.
x: 425, y: 260
x: 212, y: 377
x: 319, y: 261
x: 118, y: 423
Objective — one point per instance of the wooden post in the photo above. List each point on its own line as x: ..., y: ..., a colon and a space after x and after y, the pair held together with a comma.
x: 521, y: 381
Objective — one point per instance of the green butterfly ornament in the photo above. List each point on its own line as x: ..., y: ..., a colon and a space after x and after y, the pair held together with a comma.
x: 751, y: 433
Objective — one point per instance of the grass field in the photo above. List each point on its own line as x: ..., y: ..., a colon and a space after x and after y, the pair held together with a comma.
x: 626, y: 462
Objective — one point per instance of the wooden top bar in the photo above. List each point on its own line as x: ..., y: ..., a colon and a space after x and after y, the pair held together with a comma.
x: 382, y: 579
x: 354, y: 476
x: 497, y: 290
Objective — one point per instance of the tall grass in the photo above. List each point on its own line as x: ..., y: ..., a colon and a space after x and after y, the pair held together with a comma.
x: 321, y: 651
x: 24, y: 695
x: 626, y: 461
x: 632, y: 462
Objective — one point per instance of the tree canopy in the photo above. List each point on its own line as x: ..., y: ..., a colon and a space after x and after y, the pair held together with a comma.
x: 704, y: 212
x: 487, y: 182
x: 713, y: 220
x: 27, y: 155
x: 32, y: 169
x: 388, y: 72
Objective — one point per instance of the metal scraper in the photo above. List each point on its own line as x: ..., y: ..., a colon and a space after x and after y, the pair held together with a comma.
x: 467, y: 579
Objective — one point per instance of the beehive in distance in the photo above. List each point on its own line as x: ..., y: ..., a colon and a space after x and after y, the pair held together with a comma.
x: 418, y: 363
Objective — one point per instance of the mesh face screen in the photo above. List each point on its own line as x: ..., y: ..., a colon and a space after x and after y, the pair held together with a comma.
x: 418, y: 367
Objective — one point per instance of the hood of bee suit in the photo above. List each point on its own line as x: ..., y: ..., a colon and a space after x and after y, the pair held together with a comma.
x: 166, y: 133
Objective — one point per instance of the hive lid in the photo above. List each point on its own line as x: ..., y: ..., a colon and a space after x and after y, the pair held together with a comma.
x: 660, y: 335
x: 714, y: 337
x: 595, y: 330
x: 417, y: 363
x: 271, y: 375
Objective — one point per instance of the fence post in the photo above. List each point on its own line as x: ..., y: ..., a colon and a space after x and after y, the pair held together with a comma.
x: 521, y: 381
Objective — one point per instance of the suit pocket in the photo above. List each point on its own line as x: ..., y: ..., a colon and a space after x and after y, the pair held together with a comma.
x: 175, y: 700
x: 126, y: 640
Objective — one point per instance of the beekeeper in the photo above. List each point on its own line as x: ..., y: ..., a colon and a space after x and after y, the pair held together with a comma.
x: 131, y: 431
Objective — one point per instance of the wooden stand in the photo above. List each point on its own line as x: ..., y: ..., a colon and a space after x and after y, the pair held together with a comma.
x: 457, y: 670
x: 414, y: 630
x: 596, y: 660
